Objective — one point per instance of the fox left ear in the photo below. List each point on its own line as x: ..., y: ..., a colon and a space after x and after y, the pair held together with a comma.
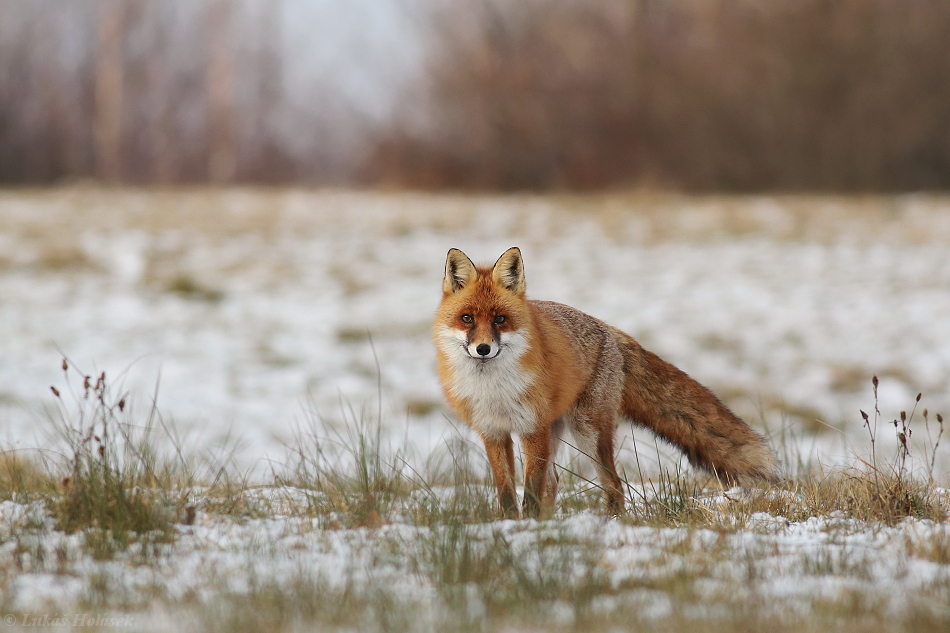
x: 508, y: 271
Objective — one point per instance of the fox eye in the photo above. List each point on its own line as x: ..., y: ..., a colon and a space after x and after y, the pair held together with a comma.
x: 500, y: 319
x: 467, y: 318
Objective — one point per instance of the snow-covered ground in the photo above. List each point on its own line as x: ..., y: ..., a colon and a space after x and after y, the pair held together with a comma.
x: 257, y: 311
x: 260, y: 310
x: 285, y: 572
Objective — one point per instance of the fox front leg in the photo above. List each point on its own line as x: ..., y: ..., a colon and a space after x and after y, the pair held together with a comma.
x: 537, y: 455
x: 501, y: 457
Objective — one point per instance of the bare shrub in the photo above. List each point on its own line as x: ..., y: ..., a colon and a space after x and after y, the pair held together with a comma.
x: 162, y: 91
x: 701, y: 94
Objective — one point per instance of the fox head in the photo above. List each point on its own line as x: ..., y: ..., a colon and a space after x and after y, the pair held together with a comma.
x: 483, y: 309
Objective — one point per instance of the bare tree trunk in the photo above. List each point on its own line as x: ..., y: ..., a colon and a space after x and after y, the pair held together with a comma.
x: 267, y: 164
x: 109, y: 89
x: 221, y: 160
x: 163, y: 156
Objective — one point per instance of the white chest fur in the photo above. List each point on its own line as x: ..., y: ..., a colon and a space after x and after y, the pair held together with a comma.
x: 495, y: 389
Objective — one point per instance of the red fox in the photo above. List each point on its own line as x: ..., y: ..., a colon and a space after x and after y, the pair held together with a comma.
x: 536, y: 368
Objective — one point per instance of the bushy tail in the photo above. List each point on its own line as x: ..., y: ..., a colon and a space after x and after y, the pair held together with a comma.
x: 660, y: 397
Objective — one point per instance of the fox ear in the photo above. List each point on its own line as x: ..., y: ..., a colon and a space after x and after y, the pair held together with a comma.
x: 459, y: 271
x: 509, y: 271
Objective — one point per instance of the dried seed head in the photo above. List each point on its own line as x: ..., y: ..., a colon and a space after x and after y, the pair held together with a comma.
x: 939, y: 418
x: 903, y: 416
x: 55, y: 391
x: 863, y: 414
x: 122, y: 404
x: 874, y: 381
x: 918, y: 396
x: 65, y: 365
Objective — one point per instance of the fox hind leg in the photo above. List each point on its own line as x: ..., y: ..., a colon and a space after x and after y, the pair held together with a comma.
x: 596, y: 440
x: 607, y: 471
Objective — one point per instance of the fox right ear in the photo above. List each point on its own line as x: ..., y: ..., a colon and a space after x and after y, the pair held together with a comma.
x: 459, y: 271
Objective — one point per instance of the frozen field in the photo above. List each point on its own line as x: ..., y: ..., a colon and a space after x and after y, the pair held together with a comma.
x: 254, y: 309
x: 581, y: 573
x: 261, y: 312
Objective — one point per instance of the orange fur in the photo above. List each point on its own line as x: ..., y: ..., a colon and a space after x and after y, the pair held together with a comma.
x: 536, y: 368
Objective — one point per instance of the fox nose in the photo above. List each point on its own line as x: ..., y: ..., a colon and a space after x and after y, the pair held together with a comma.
x: 483, y: 349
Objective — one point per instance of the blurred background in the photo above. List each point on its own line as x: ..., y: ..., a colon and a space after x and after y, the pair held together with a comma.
x: 752, y: 188
x: 737, y: 95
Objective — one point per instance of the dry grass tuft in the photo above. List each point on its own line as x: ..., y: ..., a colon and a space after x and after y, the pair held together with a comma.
x: 117, y: 486
x: 23, y: 478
